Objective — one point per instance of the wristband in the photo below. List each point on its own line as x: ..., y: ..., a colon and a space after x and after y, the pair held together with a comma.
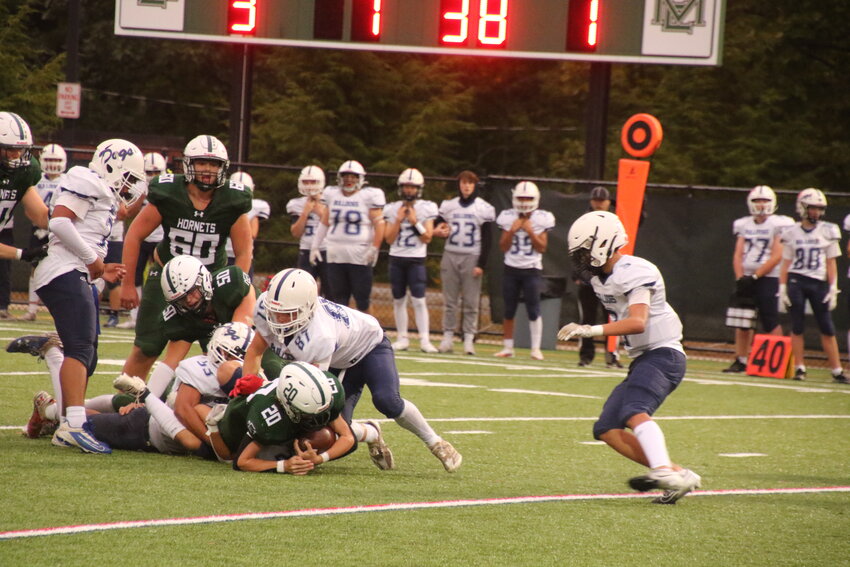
x: 755, y: 276
x: 325, y: 457
x: 596, y: 331
x: 281, y: 467
x: 18, y: 253
x: 420, y: 228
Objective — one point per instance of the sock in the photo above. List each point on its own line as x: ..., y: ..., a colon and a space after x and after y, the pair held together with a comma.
x: 133, y: 312
x: 33, y: 297
x: 413, y: 420
x: 742, y: 359
x: 51, y: 412
x: 468, y: 339
x: 509, y: 344
x: 160, y: 379
x: 164, y: 416
x: 363, y: 432
x: 76, y: 416
x: 651, y: 440
x: 54, y: 358
x: 536, y: 330
x: 801, y: 367
x: 400, y: 312
x: 837, y: 371
x: 101, y: 404
x: 420, y: 313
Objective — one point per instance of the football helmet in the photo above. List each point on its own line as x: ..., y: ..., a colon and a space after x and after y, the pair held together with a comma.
x: 15, y: 135
x: 525, y: 197
x: 311, y: 181
x: 761, y: 192
x: 54, y: 160
x: 291, y: 300
x: 306, y: 394
x: 354, y: 168
x: 205, y: 147
x: 229, y: 342
x: 593, y: 238
x: 154, y: 165
x: 181, y: 276
x: 811, y: 197
x: 244, y: 178
x: 411, y: 176
x: 122, y: 165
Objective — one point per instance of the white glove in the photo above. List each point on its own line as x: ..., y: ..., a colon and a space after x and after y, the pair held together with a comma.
x: 372, y: 256
x: 315, y: 256
x: 571, y: 330
x: 831, y: 296
x: 783, y: 295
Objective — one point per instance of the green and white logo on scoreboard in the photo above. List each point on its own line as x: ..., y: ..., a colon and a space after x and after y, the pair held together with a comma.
x: 165, y: 15
x: 679, y: 15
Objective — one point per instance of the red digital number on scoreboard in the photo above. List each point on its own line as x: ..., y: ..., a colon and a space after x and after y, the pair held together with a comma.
x: 366, y: 20
x: 489, y: 26
x: 242, y: 17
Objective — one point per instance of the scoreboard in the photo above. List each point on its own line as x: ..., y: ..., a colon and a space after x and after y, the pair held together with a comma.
x: 627, y: 31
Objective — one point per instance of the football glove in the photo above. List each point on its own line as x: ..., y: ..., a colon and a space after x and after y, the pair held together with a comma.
x: 315, y: 256
x: 372, y: 256
x: 574, y: 330
x: 783, y: 295
x: 831, y: 297
x: 34, y: 254
x: 247, y: 385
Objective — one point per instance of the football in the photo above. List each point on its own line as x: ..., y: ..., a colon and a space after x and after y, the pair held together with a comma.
x: 320, y: 439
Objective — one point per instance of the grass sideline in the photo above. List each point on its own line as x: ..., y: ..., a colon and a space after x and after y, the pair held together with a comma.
x: 524, y: 430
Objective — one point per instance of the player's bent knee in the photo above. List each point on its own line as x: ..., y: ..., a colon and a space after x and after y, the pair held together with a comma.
x: 390, y: 404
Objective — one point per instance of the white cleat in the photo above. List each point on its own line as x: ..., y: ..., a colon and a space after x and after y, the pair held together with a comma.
x: 446, y: 346
x: 447, y: 454
x: 126, y: 325
x: 505, y: 353
x: 82, y: 437
x: 691, y: 480
x: 536, y: 354
x: 429, y: 348
x: 379, y: 452
x: 131, y: 385
x: 401, y: 344
x: 469, y: 345
x: 660, y: 478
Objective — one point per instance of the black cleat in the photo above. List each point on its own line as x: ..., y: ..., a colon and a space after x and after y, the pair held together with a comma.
x: 36, y: 345
x: 800, y: 374
x: 735, y: 368
x: 840, y: 379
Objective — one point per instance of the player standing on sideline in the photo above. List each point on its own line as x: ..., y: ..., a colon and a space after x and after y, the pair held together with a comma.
x: 410, y: 224
x: 758, y: 251
x: 809, y: 273
x: 54, y: 160
x: 19, y: 175
x: 524, y: 238
x: 82, y: 219
x: 297, y: 325
x: 466, y: 222
x: 633, y: 291
x: 352, y: 228
x: 306, y: 213
x: 154, y: 166
x: 197, y: 211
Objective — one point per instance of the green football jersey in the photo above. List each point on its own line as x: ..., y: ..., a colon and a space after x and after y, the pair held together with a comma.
x: 230, y: 286
x: 13, y: 187
x: 201, y: 234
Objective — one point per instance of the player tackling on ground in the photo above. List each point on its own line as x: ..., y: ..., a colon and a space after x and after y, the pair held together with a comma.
x: 632, y: 291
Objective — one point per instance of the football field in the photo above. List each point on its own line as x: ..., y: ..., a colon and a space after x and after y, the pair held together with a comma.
x: 534, y: 488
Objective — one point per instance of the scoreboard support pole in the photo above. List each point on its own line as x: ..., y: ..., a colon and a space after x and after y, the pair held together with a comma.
x: 596, y: 121
x: 241, y: 99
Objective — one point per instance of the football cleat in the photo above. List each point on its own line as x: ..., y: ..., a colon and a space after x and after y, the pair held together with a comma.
x: 446, y: 346
x: 736, y: 367
x: 112, y: 321
x: 447, y: 454
x: 505, y: 353
x: 36, y: 345
x: 130, y: 385
x: 469, y: 345
x: 612, y: 360
x: 691, y: 481
x: 840, y: 379
x: 401, y: 344
x: 379, y: 452
x: 28, y: 316
x: 536, y: 354
x: 663, y: 478
x: 39, y: 425
x: 428, y: 347
x: 82, y: 437
x: 800, y: 374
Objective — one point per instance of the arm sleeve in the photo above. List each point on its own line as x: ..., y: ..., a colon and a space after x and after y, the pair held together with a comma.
x: 486, y: 242
x: 64, y: 229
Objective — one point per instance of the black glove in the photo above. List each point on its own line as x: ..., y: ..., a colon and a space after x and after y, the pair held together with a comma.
x: 34, y: 254
x: 745, y: 286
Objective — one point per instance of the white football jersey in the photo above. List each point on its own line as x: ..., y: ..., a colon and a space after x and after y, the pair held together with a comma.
x: 759, y: 239
x: 48, y: 189
x: 259, y: 209
x: 198, y: 373
x: 522, y: 254
x: 465, y: 224
x: 95, y: 204
x: 630, y: 273
x: 408, y: 244
x: 294, y: 208
x: 335, y: 332
x: 350, y: 232
x: 809, y: 250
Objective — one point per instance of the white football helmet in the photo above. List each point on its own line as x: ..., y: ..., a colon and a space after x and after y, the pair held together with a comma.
x: 593, y: 238
x: 182, y: 275
x: 121, y: 164
x: 811, y: 197
x: 525, y: 197
x: 229, y: 342
x: 244, y: 178
x: 291, y: 300
x: 54, y: 160
x: 761, y: 192
x: 15, y: 136
x: 205, y: 147
x: 306, y: 394
x: 311, y: 181
x: 352, y: 167
x: 154, y: 165
x: 411, y: 176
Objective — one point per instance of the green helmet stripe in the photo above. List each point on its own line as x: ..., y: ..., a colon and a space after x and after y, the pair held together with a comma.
x: 19, y: 122
x: 169, y: 282
x: 319, y: 386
